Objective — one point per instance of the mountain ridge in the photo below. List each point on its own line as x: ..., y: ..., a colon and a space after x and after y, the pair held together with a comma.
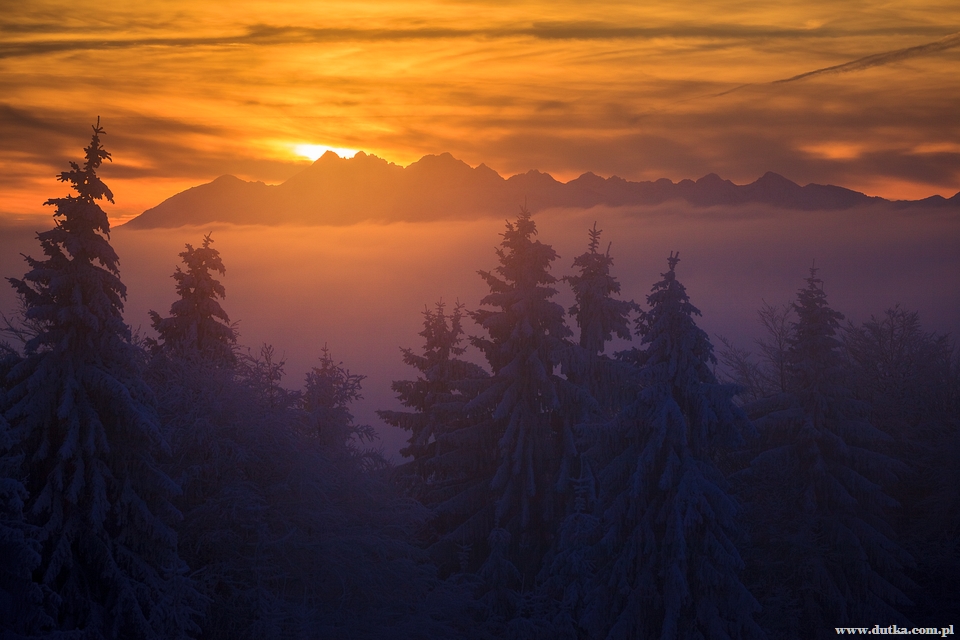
x: 336, y: 190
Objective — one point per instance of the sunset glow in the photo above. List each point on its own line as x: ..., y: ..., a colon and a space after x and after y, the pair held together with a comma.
x: 479, y: 319
x: 314, y: 151
x: 861, y: 95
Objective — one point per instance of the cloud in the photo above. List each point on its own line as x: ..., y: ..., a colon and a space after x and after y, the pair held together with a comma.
x: 867, y: 62
x: 273, y: 35
x: 879, y: 59
x: 188, y: 92
x: 44, y: 136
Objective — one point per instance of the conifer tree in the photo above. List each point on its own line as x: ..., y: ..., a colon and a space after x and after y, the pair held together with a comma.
x: 570, y: 568
x: 329, y: 391
x: 815, y: 492
x: 436, y: 396
x: 600, y: 316
x: 501, y: 579
x: 908, y: 377
x: 670, y: 566
x: 24, y: 605
x: 526, y: 332
x: 197, y: 322
x: 262, y: 374
x: 453, y: 452
x: 88, y: 431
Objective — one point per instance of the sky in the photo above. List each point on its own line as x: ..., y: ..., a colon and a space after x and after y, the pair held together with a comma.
x: 862, y: 94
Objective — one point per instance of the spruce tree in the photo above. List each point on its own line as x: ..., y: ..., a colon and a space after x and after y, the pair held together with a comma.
x: 570, y: 568
x: 669, y: 563
x: 88, y: 431
x: 197, y: 323
x: 526, y: 332
x: 435, y: 396
x: 501, y: 580
x: 824, y: 552
x: 908, y: 376
x: 328, y: 393
x: 25, y: 606
x: 453, y: 453
x: 600, y: 317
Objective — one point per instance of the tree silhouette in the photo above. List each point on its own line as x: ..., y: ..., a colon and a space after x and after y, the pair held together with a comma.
x: 671, y: 568
x: 526, y: 331
x: 88, y: 431
x: 600, y: 316
x: 197, y: 322
x: 815, y: 493
x: 453, y: 452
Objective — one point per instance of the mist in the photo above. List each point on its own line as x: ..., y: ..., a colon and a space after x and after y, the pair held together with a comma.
x: 361, y: 289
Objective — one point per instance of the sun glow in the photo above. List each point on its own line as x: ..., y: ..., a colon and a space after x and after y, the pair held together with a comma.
x: 314, y: 151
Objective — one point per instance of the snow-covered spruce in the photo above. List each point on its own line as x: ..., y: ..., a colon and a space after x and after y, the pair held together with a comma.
x: 824, y: 552
x: 197, y: 322
x: 669, y: 567
x: 570, y: 567
x: 453, y: 453
x: 89, y: 433
x: 600, y: 316
x: 532, y: 408
x: 25, y: 606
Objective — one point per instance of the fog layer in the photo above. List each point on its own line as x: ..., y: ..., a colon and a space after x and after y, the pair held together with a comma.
x: 361, y: 289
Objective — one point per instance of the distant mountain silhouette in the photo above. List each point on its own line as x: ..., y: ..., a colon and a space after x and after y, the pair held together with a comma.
x: 335, y: 190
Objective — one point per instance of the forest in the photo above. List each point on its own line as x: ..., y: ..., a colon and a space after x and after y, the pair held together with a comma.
x: 169, y: 485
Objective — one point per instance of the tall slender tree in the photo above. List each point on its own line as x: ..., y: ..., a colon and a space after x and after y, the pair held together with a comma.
x: 600, y: 316
x: 328, y: 392
x: 87, y: 426
x: 24, y: 605
x: 907, y: 376
x: 670, y: 567
x: 526, y: 332
x: 436, y: 396
x: 197, y: 322
x: 816, y: 494
x: 453, y: 452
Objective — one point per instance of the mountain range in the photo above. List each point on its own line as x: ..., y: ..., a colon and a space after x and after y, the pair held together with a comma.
x: 338, y: 191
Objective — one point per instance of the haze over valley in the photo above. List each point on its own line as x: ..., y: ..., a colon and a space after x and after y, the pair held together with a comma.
x: 446, y: 320
x: 360, y: 287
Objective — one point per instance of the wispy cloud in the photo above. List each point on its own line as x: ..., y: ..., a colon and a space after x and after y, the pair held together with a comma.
x: 880, y: 59
x: 860, y: 64
x: 273, y: 35
x: 188, y: 91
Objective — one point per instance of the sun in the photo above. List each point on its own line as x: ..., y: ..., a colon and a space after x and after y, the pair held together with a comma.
x: 314, y: 151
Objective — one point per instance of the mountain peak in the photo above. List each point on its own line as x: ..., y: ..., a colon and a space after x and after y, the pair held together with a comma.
x: 445, y: 159
x: 335, y: 190
x: 712, y: 179
x: 775, y: 178
x: 226, y: 178
x: 329, y: 156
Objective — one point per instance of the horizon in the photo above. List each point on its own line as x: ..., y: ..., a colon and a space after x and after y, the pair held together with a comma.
x: 564, y: 179
x: 118, y: 221
x: 450, y: 319
x: 188, y: 93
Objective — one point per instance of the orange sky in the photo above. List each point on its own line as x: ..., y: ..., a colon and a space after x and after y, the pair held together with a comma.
x: 188, y: 91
